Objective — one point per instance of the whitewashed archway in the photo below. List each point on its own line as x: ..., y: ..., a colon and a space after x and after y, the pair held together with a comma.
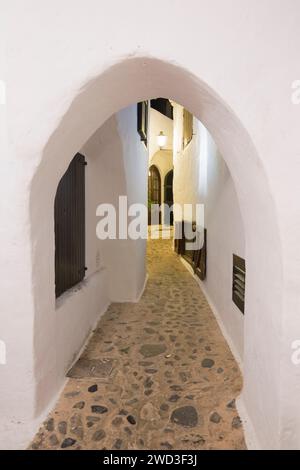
x: 120, y: 85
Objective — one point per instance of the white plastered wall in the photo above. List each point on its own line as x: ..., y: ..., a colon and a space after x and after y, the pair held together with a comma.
x: 113, y: 154
x: 202, y: 176
x: 62, y: 85
x: 225, y: 237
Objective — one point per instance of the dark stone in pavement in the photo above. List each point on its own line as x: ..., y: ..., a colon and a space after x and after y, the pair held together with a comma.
x: 99, y: 409
x: 185, y: 416
x: 215, y: 418
x: 68, y: 442
x: 131, y: 419
x: 150, y: 350
x: 99, y: 435
x: 207, y: 363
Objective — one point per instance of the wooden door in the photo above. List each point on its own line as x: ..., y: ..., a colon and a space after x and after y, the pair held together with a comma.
x: 169, y: 200
x: 154, y: 193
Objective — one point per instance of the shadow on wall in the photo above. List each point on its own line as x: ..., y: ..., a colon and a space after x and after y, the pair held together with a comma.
x: 108, y: 175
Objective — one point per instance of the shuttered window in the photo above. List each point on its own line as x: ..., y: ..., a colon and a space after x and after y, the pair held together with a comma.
x: 69, y: 215
x: 142, y: 121
x: 187, y: 127
x: 189, y: 255
x: 200, y: 259
x: 239, y: 282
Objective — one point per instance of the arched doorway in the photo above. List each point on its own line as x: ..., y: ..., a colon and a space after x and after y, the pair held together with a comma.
x: 154, y: 195
x: 262, y: 233
x: 168, y: 192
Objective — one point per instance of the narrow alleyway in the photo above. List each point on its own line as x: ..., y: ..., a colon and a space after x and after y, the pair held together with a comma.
x: 155, y: 375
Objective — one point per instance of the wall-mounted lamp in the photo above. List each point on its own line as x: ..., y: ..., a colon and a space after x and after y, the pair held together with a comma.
x: 161, y: 140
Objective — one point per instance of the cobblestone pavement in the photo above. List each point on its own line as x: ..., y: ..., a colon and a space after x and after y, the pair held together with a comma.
x: 166, y: 378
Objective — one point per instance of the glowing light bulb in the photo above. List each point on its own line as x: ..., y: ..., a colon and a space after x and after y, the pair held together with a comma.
x: 161, y: 140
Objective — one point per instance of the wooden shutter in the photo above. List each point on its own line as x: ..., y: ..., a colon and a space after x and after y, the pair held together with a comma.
x: 239, y: 282
x: 200, y: 259
x: 196, y: 258
x: 142, y: 121
x: 187, y: 127
x: 188, y: 255
x: 69, y: 215
x: 178, y: 241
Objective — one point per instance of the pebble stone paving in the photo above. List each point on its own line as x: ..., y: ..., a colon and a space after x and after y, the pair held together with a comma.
x: 171, y: 382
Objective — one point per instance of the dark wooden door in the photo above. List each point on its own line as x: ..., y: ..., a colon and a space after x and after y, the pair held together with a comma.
x: 169, y: 200
x: 154, y: 192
